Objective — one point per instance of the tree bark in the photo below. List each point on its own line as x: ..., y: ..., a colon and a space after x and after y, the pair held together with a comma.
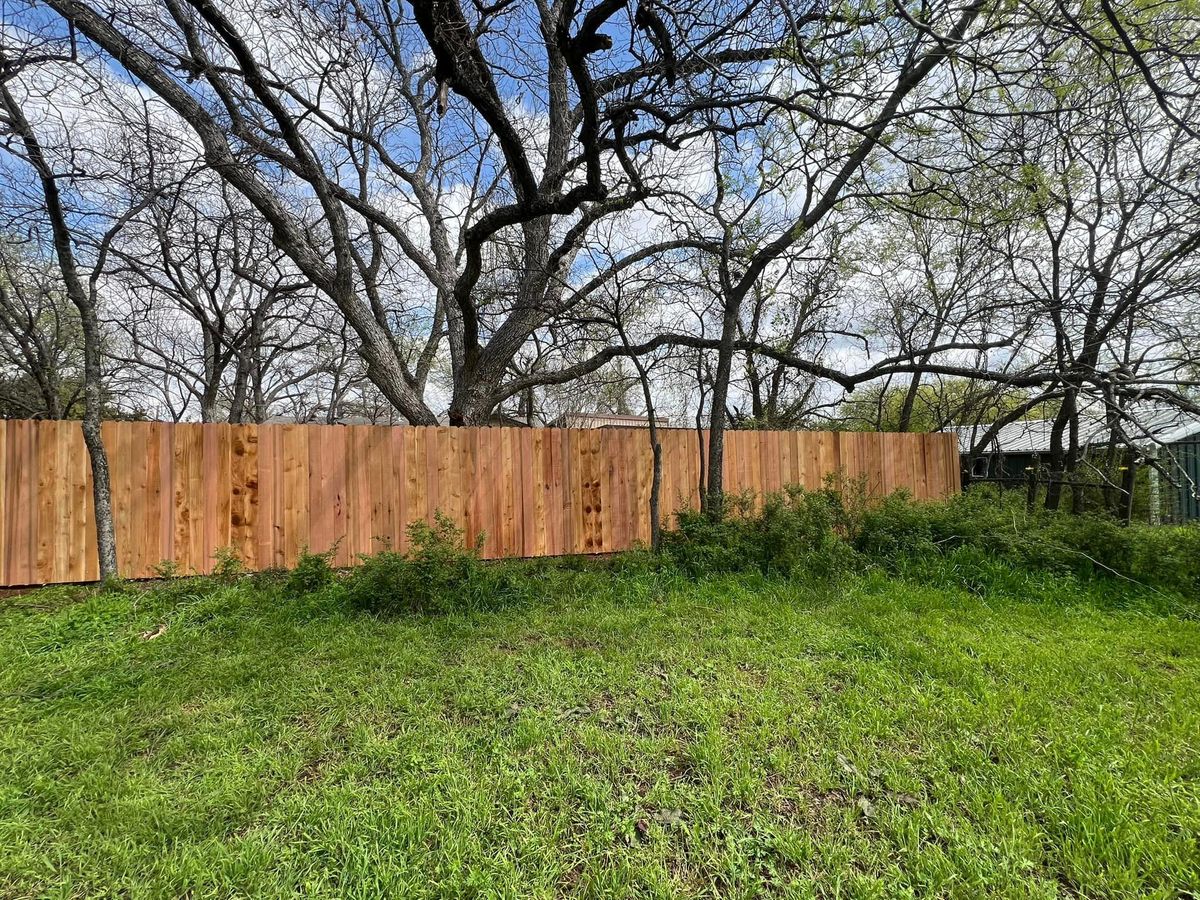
x: 656, y: 453
x: 1058, y: 456
x: 720, y: 394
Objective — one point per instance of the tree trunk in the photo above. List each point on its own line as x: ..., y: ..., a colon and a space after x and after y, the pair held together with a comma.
x: 910, y: 401
x: 720, y: 394
x: 1058, y: 460
x: 656, y: 475
x: 655, y: 450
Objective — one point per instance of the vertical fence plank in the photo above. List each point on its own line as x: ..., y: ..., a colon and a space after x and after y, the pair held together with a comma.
x: 568, y: 444
x: 451, y: 452
x: 383, y: 493
x: 729, y: 463
x: 65, y: 552
x: 296, y: 533
x: 8, y: 513
x: 916, y: 464
x: 360, y: 504
x: 485, y: 489
x: 675, y: 478
x: 814, y: 472
x: 688, y: 445
x: 166, y: 493
x: 25, y: 536
x: 638, y: 464
x: 336, y: 456
x: 269, y: 471
x: 770, y: 472
x: 528, y: 491
x: 243, y: 492
x: 608, y: 442
x: 469, y: 475
x: 91, y: 551
x: 116, y: 445
x: 187, y: 485
x: 433, y: 462
x: 147, y: 499
x: 4, y: 507
x: 540, y: 490
x: 78, y: 526
x: 400, y: 510
x: 618, y: 513
x: 216, y: 499
x: 321, y: 498
x: 47, y: 475
x: 508, y: 516
x: 595, y: 490
x: 555, y: 539
x: 584, y: 512
x: 581, y: 479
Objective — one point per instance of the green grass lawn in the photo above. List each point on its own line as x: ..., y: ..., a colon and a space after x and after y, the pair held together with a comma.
x: 635, y: 736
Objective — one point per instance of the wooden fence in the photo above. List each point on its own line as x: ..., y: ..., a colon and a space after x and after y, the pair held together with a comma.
x: 181, y: 492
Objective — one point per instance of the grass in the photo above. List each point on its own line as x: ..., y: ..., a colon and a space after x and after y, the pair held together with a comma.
x: 620, y: 736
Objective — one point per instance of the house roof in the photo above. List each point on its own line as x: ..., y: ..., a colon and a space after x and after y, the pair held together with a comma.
x: 605, y: 420
x: 1149, y: 425
x: 1175, y: 425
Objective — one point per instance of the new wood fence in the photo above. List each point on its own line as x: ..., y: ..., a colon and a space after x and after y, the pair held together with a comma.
x: 181, y: 492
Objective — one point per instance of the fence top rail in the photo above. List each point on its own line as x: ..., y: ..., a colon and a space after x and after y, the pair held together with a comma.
x: 493, y: 427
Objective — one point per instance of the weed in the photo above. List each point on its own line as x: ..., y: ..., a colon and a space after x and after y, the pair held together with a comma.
x: 313, y: 572
x: 168, y: 569
x: 227, y: 564
x: 440, y: 574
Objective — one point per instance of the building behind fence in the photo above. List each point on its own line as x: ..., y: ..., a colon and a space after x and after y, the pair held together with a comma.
x: 181, y: 492
x: 1166, y: 440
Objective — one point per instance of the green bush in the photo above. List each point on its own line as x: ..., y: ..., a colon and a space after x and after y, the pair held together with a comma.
x: 897, y: 527
x: 313, y: 572
x: 794, y: 533
x: 1003, y: 532
x: 440, y: 574
x: 977, y: 540
x: 699, y: 546
x: 980, y: 542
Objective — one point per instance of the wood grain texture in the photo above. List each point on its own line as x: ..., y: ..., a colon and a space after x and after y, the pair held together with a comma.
x: 182, y: 492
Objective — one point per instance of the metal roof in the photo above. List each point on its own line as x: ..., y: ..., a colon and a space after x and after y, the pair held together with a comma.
x: 1157, y: 425
x: 606, y: 420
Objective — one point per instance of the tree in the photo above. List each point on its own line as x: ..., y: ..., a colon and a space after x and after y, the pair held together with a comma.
x: 546, y: 194
x: 40, y: 339
x: 210, y: 305
x: 83, y: 294
x: 1112, y: 253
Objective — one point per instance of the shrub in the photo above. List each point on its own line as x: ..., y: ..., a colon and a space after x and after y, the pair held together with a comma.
x: 167, y: 569
x: 699, y: 545
x: 313, y: 572
x: 793, y: 533
x: 1002, y: 532
x: 440, y: 574
x: 227, y: 565
x: 977, y: 540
